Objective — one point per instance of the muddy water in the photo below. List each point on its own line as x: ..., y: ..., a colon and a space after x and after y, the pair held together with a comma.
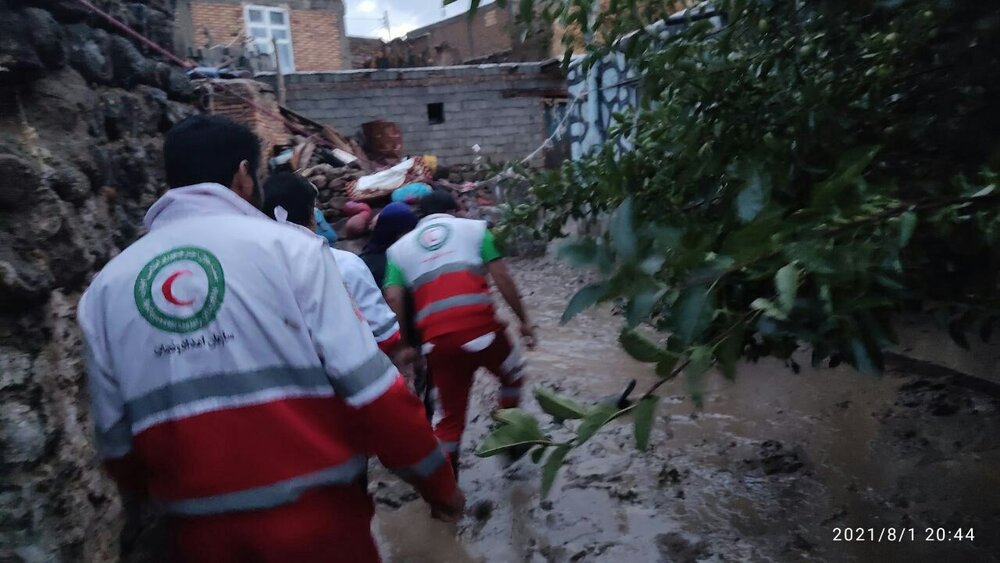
x: 766, y: 471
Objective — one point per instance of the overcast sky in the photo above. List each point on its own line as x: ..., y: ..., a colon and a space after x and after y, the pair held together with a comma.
x: 364, y: 17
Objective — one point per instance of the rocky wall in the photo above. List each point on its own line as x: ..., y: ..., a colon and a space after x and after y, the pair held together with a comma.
x: 82, y: 113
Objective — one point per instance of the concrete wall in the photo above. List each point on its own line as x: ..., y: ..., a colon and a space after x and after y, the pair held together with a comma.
x: 497, y: 106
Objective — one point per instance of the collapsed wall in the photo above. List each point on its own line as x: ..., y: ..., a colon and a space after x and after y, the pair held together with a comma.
x: 82, y: 112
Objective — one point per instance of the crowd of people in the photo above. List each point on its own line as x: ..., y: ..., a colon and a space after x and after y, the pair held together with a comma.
x: 242, y: 371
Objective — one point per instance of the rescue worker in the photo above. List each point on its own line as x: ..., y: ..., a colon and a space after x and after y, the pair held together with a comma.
x: 289, y: 198
x: 444, y: 262
x: 232, y: 380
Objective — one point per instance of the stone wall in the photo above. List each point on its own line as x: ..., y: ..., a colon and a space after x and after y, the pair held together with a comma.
x: 499, y: 107
x: 82, y: 112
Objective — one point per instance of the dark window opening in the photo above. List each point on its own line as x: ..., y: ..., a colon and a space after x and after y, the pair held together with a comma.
x: 435, y: 113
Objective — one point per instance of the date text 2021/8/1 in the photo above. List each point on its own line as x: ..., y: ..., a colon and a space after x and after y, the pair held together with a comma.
x: 878, y: 535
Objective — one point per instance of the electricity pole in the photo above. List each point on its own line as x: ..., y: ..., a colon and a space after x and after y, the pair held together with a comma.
x: 385, y: 20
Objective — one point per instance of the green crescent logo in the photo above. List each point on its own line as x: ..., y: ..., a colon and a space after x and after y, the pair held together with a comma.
x: 433, y: 237
x: 180, y: 290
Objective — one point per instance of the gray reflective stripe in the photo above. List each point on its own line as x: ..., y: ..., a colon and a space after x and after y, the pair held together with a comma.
x: 456, y: 301
x: 358, y: 379
x: 223, y: 385
x: 423, y: 468
x: 432, y: 275
x: 269, y: 496
x: 115, y: 441
x: 449, y: 447
x: 384, y: 329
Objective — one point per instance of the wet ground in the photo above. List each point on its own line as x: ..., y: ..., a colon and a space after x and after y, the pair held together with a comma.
x: 768, y: 470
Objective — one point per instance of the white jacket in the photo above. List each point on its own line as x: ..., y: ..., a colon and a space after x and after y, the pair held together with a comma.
x: 221, y: 289
x: 366, y: 293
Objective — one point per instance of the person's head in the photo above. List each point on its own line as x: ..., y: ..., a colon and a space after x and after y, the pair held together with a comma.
x: 293, y: 193
x: 394, y: 221
x: 441, y: 173
x: 209, y: 148
x: 438, y: 202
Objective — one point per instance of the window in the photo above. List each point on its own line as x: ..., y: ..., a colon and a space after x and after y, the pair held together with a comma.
x: 264, y: 24
x: 435, y: 113
x: 490, y: 18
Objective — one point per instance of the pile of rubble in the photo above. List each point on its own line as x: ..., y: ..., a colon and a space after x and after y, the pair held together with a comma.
x: 368, y: 167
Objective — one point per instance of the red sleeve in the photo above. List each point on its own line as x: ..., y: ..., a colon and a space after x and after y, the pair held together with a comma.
x: 389, y: 344
x: 397, y: 432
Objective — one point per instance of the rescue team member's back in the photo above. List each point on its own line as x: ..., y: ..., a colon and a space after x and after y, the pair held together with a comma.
x: 232, y: 382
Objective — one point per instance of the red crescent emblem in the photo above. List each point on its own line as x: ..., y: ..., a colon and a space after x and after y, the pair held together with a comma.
x: 168, y: 288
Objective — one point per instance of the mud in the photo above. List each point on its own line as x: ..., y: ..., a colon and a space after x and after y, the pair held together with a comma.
x: 766, y: 471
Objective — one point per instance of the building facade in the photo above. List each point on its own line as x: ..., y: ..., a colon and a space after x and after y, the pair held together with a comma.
x: 309, y: 34
x: 504, y: 109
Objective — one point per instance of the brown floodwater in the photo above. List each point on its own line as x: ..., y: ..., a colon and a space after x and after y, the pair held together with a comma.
x: 767, y: 470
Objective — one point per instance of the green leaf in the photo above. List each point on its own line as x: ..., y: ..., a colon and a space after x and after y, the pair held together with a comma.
x: 907, y: 224
x: 537, y: 453
x: 639, y: 347
x: 752, y: 199
x: 622, y: 232
x: 691, y: 314
x: 701, y: 362
x: 586, y: 297
x: 665, y: 367
x: 786, y: 281
x: 516, y: 417
x: 862, y: 359
x: 526, y: 11
x: 551, y: 468
x: 849, y: 168
x: 518, y: 428
x: 558, y: 406
x: 640, y: 307
x: 730, y: 350
x: 579, y: 253
x: 985, y: 191
x: 643, y: 420
x: 769, y: 308
x: 593, y: 421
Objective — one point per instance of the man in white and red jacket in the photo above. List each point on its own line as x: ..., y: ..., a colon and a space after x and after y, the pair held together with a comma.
x: 232, y: 380
x: 444, y: 262
x: 290, y: 198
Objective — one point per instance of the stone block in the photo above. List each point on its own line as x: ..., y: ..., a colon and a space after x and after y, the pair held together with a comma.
x: 22, y: 433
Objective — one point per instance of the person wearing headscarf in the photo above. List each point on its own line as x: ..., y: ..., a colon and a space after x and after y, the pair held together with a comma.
x: 394, y: 221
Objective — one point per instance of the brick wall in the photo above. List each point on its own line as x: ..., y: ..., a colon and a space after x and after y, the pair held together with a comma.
x: 214, y: 24
x: 490, y: 32
x: 364, y: 50
x: 316, y: 40
x: 497, y: 106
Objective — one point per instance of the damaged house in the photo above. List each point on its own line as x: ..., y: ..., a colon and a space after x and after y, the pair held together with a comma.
x: 309, y: 35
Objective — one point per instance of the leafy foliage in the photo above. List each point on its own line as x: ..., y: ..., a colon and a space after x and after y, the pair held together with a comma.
x: 800, y: 177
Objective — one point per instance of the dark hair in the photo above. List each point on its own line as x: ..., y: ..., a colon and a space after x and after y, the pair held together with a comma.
x: 208, y: 148
x: 441, y: 173
x: 293, y: 192
x: 438, y: 202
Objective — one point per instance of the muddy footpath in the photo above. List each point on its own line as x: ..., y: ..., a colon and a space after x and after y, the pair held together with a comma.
x: 775, y: 467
